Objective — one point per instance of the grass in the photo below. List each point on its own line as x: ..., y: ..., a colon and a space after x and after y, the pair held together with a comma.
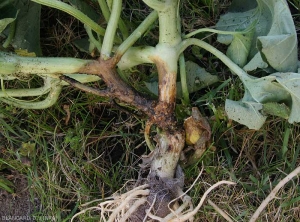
x: 85, y: 148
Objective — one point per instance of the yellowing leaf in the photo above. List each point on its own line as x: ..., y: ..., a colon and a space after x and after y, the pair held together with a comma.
x: 24, y: 52
x: 27, y: 149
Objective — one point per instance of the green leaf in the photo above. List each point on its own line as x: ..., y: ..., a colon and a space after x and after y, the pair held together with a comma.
x: 264, y: 89
x: 257, y: 91
x: 280, y: 51
x: 256, y: 62
x: 27, y: 149
x: 241, y: 14
x: 290, y: 203
x: 8, y: 14
x: 197, y: 78
x: 254, y: 180
x: 239, y: 49
x: 274, y: 40
x: 27, y: 34
x: 291, y: 82
x: 82, y: 44
x: 277, y: 109
x: 246, y: 113
x: 277, y: 94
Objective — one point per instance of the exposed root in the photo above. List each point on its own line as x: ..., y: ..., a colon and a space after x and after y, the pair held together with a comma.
x: 273, y: 193
x: 142, y: 204
x: 120, y: 207
x: 219, y: 210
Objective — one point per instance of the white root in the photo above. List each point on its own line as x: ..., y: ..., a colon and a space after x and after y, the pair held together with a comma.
x: 189, y: 215
x: 133, y: 208
x: 149, y: 210
x: 273, y: 193
x: 219, y: 210
x: 126, y: 201
x: 187, y: 201
x: 123, y: 206
x: 84, y: 211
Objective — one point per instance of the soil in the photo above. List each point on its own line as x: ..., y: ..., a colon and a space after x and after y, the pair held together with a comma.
x: 17, y: 206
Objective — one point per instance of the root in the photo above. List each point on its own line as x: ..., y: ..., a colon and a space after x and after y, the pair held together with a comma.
x: 219, y: 210
x: 273, y: 193
x: 121, y: 208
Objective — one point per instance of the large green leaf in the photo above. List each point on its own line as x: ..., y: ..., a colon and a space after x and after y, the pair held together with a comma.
x: 279, y: 91
x: 258, y: 91
x: 241, y: 14
x: 274, y: 36
x: 280, y: 51
x: 265, y: 89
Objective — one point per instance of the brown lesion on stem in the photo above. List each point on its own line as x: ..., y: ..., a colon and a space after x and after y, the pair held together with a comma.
x: 164, y: 110
x: 116, y: 87
x: 160, y: 113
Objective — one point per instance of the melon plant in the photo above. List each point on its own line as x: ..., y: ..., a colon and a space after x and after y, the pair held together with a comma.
x: 260, y: 35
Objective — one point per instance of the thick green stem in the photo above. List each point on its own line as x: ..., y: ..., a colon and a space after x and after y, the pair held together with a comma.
x: 166, y: 157
x: 169, y: 25
x: 111, y: 29
x: 135, y: 56
x: 18, y: 65
x: 106, y: 13
x: 169, y: 31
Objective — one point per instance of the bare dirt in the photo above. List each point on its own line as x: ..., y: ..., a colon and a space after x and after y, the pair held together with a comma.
x: 17, y: 206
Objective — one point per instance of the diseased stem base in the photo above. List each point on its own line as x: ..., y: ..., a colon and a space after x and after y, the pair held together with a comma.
x: 164, y: 177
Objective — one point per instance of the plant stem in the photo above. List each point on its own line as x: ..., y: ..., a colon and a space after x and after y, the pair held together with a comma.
x: 135, y: 56
x: 49, y: 101
x: 18, y: 65
x: 169, y: 26
x: 138, y: 32
x: 218, y: 32
x: 169, y: 30
x: 92, y: 39
x: 26, y: 92
x: 230, y: 64
x: 111, y: 29
x: 184, y: 87
x: 106, y: 13
x: 85, y: 88
x: 166, y: 157
x: 273, y: 193
x: 104, y: 9
x: 156, y: 5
